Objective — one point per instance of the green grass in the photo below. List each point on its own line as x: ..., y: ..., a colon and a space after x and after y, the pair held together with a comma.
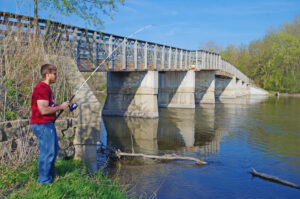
x: 73, y: 181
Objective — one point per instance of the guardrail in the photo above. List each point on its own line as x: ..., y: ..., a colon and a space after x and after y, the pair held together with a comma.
x: 127, y: 54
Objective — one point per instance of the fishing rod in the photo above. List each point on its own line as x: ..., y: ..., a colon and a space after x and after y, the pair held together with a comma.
x: 74, y: 105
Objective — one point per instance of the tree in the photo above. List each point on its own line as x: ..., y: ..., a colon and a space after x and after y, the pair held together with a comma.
x: 211, y: 46
x: 88, y: 10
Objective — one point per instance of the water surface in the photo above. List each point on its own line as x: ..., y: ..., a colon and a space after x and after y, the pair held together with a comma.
x: 232, y: 137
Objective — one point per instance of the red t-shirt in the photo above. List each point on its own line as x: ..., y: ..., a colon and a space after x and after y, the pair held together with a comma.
x: 42, y: 91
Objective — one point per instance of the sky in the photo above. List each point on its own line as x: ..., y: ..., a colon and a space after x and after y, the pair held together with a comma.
x: 187, y: 24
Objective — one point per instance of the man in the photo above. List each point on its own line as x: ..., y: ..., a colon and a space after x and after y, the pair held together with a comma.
x: 43, y: 115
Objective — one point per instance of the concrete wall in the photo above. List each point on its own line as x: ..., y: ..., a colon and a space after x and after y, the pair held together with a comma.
x: 176, y: 89
x: 239, y: 88
x: 257, y: 91
x: 225, y: 87
x: 205, y: 87
x: 88, y: 115
x: 132, y: 94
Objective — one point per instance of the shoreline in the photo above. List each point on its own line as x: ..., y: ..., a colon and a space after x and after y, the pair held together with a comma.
x: 288, y: 94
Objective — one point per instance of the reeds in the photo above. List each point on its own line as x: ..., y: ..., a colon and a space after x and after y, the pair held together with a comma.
x: 21, y: 56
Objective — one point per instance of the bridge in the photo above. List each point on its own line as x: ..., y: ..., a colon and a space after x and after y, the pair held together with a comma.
x: 142, y: 76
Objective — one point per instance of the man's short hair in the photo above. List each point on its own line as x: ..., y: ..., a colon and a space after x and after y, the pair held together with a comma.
x: 47, y: 68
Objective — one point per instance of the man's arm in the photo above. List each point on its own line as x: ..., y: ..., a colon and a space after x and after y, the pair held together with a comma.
x: 45, y: 109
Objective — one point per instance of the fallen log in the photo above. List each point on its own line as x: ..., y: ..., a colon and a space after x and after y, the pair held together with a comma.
x: 273, y: 179
x: 164, y: 157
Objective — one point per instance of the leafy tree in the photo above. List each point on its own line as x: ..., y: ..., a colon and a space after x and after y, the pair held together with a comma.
x: 273, y: 62
x: 88, y: 10
x: 211, y: 46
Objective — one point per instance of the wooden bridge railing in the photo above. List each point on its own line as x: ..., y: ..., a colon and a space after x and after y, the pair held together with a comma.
x: 127, y: 54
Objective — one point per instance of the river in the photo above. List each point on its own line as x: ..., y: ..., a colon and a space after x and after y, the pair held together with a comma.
x: 233, y: 137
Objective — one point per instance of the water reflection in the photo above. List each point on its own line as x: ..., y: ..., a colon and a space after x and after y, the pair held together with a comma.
x: 132, y: 134
x: 243, y: 99
x: 182, y: 130
x: 232, y: 137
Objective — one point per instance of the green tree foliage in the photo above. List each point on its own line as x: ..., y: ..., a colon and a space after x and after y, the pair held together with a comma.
x: 88, y: 10
x: 272, y: 62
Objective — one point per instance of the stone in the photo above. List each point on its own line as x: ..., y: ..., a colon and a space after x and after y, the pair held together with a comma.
x: 60, y: 134
x: 70, y: 152
x: 9, y: 145
x: 67, y: 153
x: 2, y: 135
x: 64, y: 143
x: 61, y: 124
x: 11, y: 133
x: 69, y: 133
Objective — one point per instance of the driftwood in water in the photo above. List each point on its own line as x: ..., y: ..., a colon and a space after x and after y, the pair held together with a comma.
x: 164, y: 157
x: 273, y: 179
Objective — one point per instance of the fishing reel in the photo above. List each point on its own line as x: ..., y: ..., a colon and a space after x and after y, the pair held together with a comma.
x: 73, y: 107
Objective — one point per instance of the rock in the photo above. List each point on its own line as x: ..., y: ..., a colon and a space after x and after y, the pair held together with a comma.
x: 61, y: 124
x: 2, y: 135
x: 67, y: 153
x: 63, y: 144
x: 11, y: 133
x: 70, y: 152
x: 9, y: 145
x: 70, y: 132
x: 60, y: 134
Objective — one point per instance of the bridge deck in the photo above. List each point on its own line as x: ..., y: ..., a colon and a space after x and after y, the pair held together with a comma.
x: 118, y: 53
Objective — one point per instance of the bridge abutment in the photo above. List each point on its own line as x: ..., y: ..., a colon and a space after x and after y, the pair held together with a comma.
x: 132, y: 94
x: 177, y: 89
x: 239, y: 88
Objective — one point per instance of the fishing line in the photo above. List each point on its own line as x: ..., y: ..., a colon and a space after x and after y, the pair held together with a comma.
x: 74, y: 106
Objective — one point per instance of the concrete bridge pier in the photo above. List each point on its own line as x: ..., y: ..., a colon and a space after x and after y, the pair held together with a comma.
x: 205, y: 87
x: 132, y: 94
x: 225, y: 87
x: 176, y: 89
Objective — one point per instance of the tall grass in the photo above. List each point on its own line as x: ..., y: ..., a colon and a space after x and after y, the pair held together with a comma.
x: 21, y: 56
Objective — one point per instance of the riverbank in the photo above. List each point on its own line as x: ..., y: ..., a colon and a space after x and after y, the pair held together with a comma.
x: 73, y: 181
x: 289, y: 94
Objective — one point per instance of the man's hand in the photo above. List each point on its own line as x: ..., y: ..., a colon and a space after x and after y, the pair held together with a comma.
x: 64, y: 105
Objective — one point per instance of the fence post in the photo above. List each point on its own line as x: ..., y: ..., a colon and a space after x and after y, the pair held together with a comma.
x: 155, y: 57
x: 197, y: 59
x: 203, y: 59
x: 170, y: 57
x: 135, y: 55
x: 163, y: 58
x: 110, y: 50
x: 146, y: 55
x: 185, y: 60
x: 95, y: 50
x: 74, y: 43
x: 175, y: 61
x: 124, y: 53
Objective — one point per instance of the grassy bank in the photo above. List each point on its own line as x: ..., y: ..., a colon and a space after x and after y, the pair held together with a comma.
x: 73, y: 181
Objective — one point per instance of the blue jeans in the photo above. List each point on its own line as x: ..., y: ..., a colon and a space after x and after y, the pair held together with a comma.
x: 48, y: 145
